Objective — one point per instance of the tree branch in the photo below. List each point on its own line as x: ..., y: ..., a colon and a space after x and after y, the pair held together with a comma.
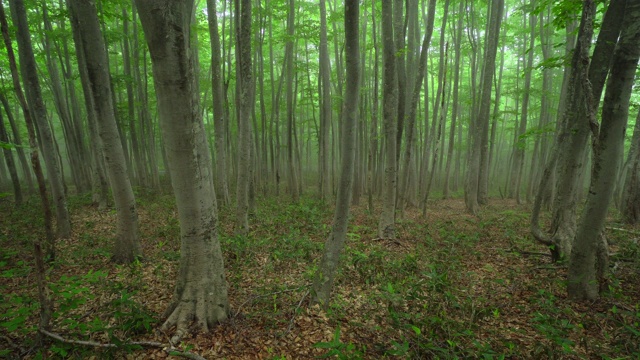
x: 169, y: 349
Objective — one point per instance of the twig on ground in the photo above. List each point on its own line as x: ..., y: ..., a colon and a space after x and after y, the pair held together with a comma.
x: 533, y: 253
x: 545, y: 267
x: 295, y: 312
x: 623, y: 307
x: 623, y: 230
x: 268, y: 294
x: 618, y: 257
x: 168, y: 349
x: 515, y: 250
x: 9, y: 341
x: 392, y: 241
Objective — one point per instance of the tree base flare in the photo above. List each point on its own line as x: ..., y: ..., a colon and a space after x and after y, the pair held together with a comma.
x: 194, y: 311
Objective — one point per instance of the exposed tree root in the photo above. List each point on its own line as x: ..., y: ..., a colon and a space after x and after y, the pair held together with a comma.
x: 169, y: 349
x: 195, y: 310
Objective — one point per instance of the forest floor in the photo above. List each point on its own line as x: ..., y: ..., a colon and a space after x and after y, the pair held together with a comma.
x: 451, y: 286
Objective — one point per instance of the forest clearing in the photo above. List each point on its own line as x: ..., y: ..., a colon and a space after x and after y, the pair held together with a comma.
x: 449, y: 286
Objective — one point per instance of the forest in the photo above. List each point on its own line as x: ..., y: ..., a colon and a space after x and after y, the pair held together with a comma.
x: 300, y: 179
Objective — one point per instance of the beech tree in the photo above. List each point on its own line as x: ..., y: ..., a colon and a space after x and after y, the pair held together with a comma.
x: 480, y: 124
x: 85, y: 21
x: 39, y: 113
x: 588, y: 260
x: 201, y: 291
x: 219, y: 118
x: 325, y: 275
x: 568, y: 157
x: 386, y: 225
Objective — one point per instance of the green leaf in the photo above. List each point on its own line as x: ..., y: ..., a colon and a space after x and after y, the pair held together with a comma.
x: 416, y: 329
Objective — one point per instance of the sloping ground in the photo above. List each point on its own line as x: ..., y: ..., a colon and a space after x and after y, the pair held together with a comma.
x: 450, y: 286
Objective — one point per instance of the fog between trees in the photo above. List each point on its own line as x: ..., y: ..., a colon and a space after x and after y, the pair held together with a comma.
x: 391, y: 103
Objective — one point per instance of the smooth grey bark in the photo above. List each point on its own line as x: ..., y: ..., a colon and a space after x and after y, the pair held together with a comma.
x: 399, y: 32
x: 437, y: 99
x: 260, y: 74
x: 324, y: 278
x: 413, y: 105
x: 494, y: 150
x: 373, y: 134
x: 84, y: 15
x: 201, y: 292
x: 541, y: 145
x: 630, y: 202
x: 386, y: 225
x: 99, y: 183
x: 147, y: 128
x: 568, y: 154
x: 17, y: 139
x: 245, y: 81
x: 437, y: 131
x: 72, y: 101
x: 49, y: 245
x: 518, y: 154
x: 289, y: 57
x: 455, y: 105
x: 219, y: 119
x: 481, y: 121
x: 72, y: 143
x: 11, y: 166
x: 585, y: 267
x: 325, y: 109
x: 140, y: 173
x: 34, y: 97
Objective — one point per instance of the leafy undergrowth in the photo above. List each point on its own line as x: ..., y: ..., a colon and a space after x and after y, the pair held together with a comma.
x: 450, y: 286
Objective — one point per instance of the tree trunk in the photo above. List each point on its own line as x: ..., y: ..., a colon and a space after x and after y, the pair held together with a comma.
x: 324, y: 278
x: 454, y: 114
x: 18, y: 141
x: 219, y: 120
x: 481, y: 121
x: 11, y: 166
x: 373, y: 135
x: 72, y: 141
x: 140, y: 173
x: 519, y: 148
x: 289, y: 57
x: 583, y: 274
x: 386, y: 226
x: 200, y: 294
x: 99, y: 185
x: 325, y: 99
x: 85, y: 21
x: 630, y: 203
x: 568, y: 155
x: 50, y: 250
x: 34, y: 96
x: 413, y: 106
x: 245, y: 81
x: 399, y: 32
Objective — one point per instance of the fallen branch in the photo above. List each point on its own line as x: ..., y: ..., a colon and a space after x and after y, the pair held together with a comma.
x: 623, y: 230
x: 268, y: 294
x: 618, y: 257
x: 533, y: 253
x: 294, y: 313
x: 9, y: 341
x: 515, y: 250
x: 546, y: 267
x: 168, y: 349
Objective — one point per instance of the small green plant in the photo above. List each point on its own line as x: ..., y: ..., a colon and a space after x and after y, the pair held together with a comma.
x: 14, y: 312
x: 551, y: 323
x: 338, y: 349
